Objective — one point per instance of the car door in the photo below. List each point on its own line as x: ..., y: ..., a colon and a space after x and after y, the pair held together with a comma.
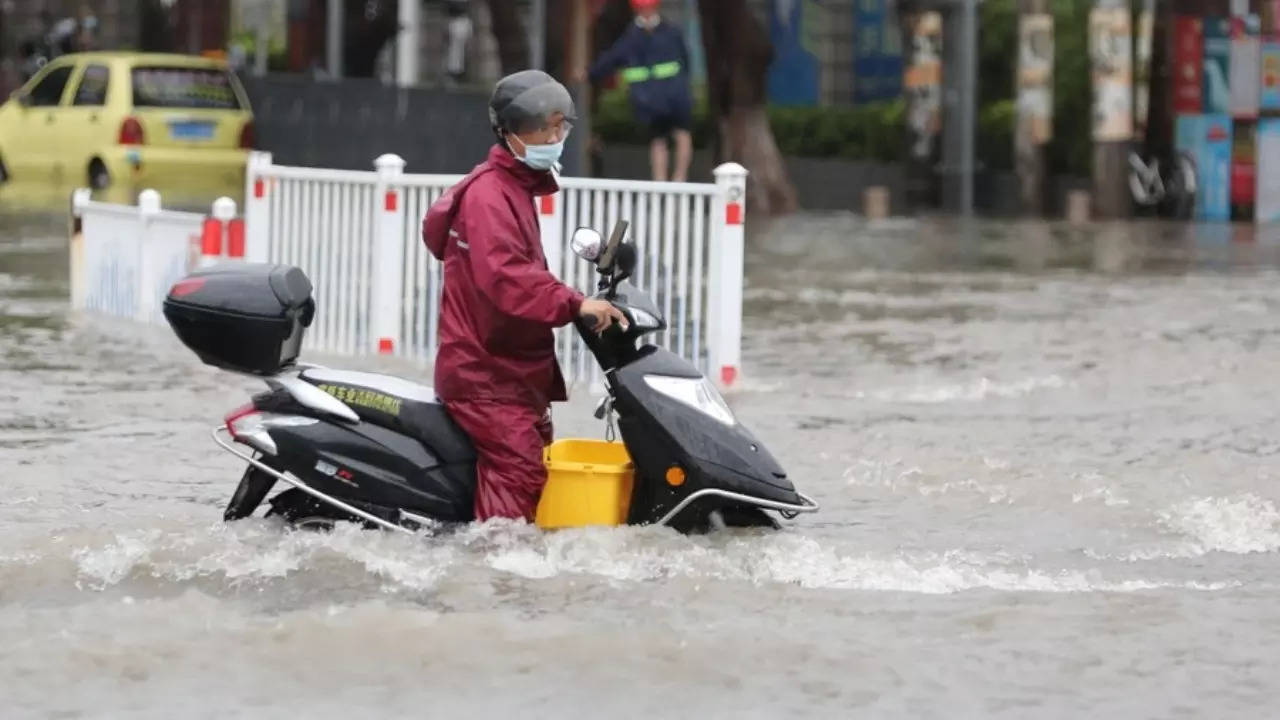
x: 30, y: 157
x: 85, y: 126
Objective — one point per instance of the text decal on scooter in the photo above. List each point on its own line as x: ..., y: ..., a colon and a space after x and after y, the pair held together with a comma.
x: 364, y: 398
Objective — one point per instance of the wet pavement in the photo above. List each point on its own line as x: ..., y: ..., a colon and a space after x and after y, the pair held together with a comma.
x: 1047, y: 459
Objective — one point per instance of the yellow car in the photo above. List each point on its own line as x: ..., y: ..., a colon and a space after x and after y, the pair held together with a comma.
x: 153, y: 120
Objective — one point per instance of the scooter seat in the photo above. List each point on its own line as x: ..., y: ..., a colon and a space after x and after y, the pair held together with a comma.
x: 397, y: 404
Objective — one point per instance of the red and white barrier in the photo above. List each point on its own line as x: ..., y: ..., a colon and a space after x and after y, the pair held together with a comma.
x: 724, y: 321
x: 222, y: 235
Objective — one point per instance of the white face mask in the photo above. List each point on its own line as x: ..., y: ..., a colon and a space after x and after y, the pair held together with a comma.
x: 542, y: 157
x: 648, y: 22
x: 545, y: 156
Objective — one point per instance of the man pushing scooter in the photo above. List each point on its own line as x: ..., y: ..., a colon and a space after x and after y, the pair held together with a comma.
x: 496, y: 369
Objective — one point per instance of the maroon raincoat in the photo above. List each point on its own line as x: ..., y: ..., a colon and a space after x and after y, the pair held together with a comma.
x: 496, y: 367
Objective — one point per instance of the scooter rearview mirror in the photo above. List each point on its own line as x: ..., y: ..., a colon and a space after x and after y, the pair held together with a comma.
x: 586, y: 243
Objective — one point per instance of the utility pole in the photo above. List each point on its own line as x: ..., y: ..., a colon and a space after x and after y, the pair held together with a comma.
x: 538, y: 34
x: 969, y: 107
x: 261, y: 41
x: 333, y: 37
x: 942, y: 72
x: 1035, y: 101
x: 1111, y: 56
x: 959, y: 101
x: 408, y: 43
x: 195, y: 37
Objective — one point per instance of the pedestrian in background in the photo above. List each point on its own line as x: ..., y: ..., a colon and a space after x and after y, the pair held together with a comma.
x: 654, y: 62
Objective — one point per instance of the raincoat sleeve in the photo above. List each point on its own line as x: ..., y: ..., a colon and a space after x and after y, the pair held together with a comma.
x: 613, y: 58
x: 515, y: 281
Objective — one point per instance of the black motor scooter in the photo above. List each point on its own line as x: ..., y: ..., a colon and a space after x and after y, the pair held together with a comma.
x: 381, y: 450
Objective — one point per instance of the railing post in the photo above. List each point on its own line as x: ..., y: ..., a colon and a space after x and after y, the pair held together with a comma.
x: 257, y: 218
x: 79, y: 198
x: 388, y: 256
x: 551, y: 226
x: 725, y: 271
x: 145, y: 284
x: 213, y: 234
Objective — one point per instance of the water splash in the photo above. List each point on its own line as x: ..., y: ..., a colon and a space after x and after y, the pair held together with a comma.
x: 143, y: 561
x: 895, y: 475
x: 1238, y: 524
x: 974, y: 391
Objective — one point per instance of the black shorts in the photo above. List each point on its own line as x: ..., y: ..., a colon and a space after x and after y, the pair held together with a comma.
x: 663, y: 126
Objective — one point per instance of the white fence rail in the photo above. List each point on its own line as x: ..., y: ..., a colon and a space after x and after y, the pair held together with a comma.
x: 357, y: 236
x: 124, y: 259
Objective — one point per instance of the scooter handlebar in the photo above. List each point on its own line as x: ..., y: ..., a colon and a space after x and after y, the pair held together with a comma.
x: 591, y: 320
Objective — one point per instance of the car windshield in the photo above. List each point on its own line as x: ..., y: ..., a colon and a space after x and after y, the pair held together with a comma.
x: 179, y: 87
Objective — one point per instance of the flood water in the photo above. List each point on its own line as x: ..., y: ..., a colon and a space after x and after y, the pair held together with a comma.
x: 1047, y: 458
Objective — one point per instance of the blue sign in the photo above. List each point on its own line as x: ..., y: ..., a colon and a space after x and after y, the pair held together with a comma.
x: 1271, y: 75
x: 1207, y: 139
x: 793, y: 76
x: 1217, y: 65
x: 877, y: 53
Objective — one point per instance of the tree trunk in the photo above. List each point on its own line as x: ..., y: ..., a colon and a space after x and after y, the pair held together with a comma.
x: 1111, y: 134
x: 367, y: 28
x: 738, y: 55
x: 554, y: 38
x: 614, y: 19
x: 508, y: 32
x: 155, y: 28
x: 577, y: 60
x: 1159, y: 138
x: 1029, y: 139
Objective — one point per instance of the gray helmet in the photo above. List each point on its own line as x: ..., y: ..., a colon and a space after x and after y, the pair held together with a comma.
x: 523, y: 101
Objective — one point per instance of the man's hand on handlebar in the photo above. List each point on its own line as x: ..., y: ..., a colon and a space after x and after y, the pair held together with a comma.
x: 601, y: 314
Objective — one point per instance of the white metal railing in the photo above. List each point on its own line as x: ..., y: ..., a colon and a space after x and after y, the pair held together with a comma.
x: 351, y: 231
x: 377, y: 289
x: 124, y: 259
x: 324, y: 226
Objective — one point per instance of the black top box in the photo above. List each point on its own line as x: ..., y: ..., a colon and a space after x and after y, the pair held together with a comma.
x: 244, y: 317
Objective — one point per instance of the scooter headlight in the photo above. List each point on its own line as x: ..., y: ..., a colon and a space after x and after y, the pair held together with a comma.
x: 643, y: 320
x: 697, y: 393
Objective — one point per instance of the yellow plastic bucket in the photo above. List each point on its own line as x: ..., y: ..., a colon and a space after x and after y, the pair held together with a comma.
x: 588, y: 483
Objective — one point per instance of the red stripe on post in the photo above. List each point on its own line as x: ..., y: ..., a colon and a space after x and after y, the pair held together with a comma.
x: 390, y: 201
x: 733, y: 214
x: 386, y: 346
x: 548, y: 203
x: 728, y: 374
x: 259, y: 188
x: 211, y: 238
x: 235, y: 238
